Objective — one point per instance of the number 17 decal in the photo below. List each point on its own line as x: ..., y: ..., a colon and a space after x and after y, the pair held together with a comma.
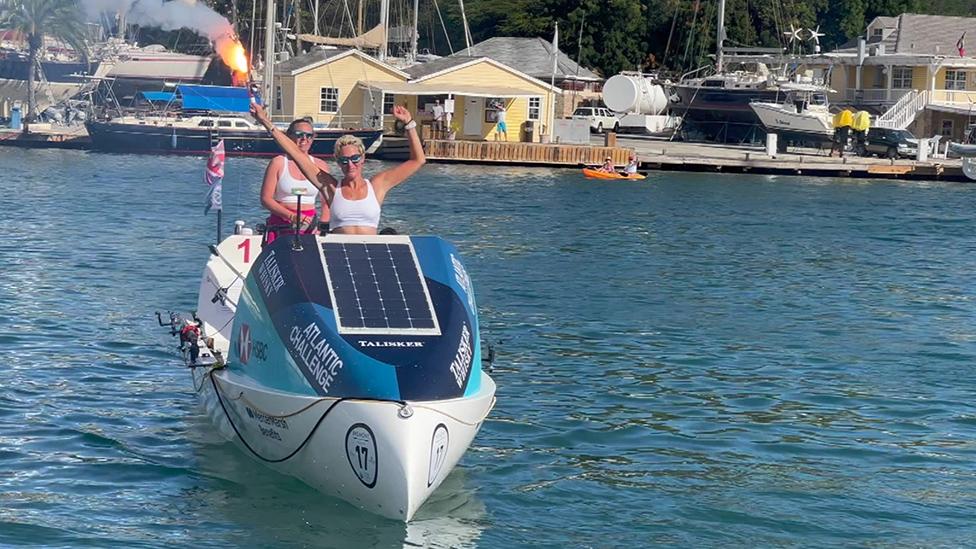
x: 361, y: 453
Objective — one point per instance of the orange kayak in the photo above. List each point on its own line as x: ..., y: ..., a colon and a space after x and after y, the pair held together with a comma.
x: 600, y: 174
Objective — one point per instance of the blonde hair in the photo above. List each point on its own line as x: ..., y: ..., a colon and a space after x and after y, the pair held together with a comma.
x: 349, y: 140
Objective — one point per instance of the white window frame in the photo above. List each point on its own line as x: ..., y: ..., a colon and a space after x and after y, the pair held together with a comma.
x: 901, y: 78
x: 958, y: 80
x: 389, y: 100
x: 323, y: 106
x: 537, y: 108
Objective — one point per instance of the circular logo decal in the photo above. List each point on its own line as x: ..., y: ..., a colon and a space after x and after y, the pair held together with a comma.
x: 244, y: 343
x: 361, y: 453
x: 438, y: 452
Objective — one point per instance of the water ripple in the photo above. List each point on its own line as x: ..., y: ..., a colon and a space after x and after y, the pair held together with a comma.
x: 693, y: 360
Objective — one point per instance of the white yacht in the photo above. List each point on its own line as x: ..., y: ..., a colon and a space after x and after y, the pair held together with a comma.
x: 804, y: 114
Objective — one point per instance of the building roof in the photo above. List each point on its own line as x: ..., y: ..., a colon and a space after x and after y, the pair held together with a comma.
x: 533, y: 56
x: 422, y: 70
x: 320, y: 56
x: 917, y: 34
x: 469, y: 90
x: 445, y: 65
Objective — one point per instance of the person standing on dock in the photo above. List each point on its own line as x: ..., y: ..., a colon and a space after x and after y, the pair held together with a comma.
x: 438, y: 112
x: 502, y: 129
x: 281, y: 177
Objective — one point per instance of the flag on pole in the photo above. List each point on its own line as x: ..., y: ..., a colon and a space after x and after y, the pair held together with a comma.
x: 555, y: 48
x: 551, y: 119
x: 213, y: 176
x: 961, y: 45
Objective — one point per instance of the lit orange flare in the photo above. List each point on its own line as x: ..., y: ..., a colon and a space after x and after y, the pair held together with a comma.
x: 232, y: 53
x: 238, y: 60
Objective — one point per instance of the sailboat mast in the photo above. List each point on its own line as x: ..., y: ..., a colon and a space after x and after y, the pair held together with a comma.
x: 413, y: 39
x: 720, y: 39
x: 359, y: 20
x: 269, y: 56
x: 385, y: 25
x: 315, y: 27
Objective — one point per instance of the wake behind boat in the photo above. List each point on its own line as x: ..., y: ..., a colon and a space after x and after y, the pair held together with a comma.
x: 350, y: 362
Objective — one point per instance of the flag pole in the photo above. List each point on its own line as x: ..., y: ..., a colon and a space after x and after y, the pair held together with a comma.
x: 552, y: 81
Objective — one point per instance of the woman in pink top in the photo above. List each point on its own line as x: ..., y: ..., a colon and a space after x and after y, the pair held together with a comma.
x: 282, y: 177
x: 361, y: 198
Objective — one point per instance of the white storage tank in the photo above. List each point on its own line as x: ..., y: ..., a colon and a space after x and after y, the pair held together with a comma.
x: 634, y: 93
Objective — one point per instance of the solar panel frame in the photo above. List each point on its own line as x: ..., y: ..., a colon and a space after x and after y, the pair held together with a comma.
x: 337, y: 285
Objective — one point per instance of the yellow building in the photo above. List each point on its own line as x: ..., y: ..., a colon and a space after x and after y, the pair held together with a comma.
x: 480, y: 88
x: 349, y: 89
x: 914, y: 70
x: 324, y: 85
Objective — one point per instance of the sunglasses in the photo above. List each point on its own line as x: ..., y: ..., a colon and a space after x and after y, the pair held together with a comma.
x: 301, y: 134
x: 354, y: 159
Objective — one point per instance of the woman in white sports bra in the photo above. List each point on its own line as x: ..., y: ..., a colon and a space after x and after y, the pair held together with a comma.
x: 282, y: 177
x: 354, y: 202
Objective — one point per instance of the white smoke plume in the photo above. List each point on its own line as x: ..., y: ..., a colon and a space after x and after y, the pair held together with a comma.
x: 173, y: 15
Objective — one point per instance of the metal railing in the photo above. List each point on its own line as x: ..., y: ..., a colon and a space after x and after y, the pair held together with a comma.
x: 347, y: 121
x: 954, y: 97
x: 903, y: 112
x: 872, y: 96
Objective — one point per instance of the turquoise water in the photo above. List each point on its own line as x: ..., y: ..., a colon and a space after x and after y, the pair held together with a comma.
x: 693, y: 360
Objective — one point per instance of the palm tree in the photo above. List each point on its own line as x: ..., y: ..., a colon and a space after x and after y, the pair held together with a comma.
x: 35, y: 19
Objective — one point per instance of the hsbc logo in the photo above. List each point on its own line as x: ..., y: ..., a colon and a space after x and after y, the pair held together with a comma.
x: 244, y: 343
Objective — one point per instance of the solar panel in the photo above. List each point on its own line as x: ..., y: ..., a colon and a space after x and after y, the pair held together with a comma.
x: 377, y: 287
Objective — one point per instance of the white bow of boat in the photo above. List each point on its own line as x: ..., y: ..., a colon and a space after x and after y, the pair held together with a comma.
x: 350, y: 362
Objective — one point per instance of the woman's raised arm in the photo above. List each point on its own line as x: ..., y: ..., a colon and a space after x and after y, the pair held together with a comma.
x: 319, y: 177
x: 388, y: 179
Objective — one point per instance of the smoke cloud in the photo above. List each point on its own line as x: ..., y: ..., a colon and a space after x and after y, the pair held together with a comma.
x: 173, y: 15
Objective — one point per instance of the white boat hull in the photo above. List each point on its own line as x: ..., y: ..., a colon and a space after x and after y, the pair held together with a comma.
x: 364, y: 452
x: 812, y: 125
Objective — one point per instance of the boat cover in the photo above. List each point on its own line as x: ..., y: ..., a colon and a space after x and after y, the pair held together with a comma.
x: 215, y: 98
x: 163, y: 97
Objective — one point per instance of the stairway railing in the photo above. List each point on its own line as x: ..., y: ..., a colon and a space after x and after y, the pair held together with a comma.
x: 904, y: 111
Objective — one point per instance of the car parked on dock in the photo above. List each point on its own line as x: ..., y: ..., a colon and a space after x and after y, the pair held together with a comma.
x: 891, y: 143
x: 600, y: 118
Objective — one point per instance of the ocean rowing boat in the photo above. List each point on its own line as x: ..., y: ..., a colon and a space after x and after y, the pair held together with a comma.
x: 350, y: 362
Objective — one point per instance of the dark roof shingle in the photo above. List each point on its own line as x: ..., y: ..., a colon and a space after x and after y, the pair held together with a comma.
x: 300, y: 61
x: 421, y: 70
x: 533, y: 56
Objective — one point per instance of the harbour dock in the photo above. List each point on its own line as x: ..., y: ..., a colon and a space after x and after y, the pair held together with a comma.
x: 506, y: 152
x: 707, y: 157
x: 44, y: 136
x: 653, y: 155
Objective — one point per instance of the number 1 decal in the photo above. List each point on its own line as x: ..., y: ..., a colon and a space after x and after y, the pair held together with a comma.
x: 246, y: 244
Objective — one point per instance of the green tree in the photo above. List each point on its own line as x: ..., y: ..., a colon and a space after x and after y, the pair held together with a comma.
x: 35, y: 19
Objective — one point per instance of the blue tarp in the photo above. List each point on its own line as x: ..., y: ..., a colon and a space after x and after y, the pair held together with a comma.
x: 214, y: 98
x: 158, y: 96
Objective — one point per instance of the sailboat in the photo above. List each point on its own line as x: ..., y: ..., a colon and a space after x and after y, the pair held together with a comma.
x: 718, y: 105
